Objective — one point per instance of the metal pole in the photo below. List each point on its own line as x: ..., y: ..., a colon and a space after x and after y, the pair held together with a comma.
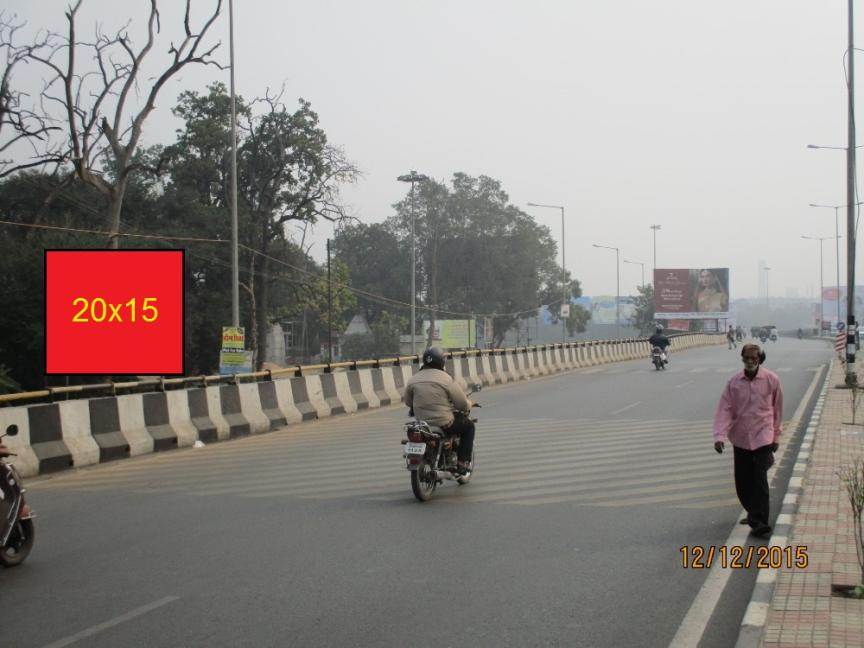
x: 329, y: 308
x: 617, y: 294
x: 821, y: 288
x: 563, y: 281
x: 851, y: 377
x: 837, y: 253
x: 413, y: 278
x: 235, y: 255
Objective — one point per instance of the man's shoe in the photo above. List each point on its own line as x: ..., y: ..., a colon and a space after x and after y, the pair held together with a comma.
x: 744, y: 520
x: 762, y: 531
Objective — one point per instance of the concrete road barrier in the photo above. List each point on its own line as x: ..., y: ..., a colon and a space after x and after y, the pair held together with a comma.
x: 75, y: 433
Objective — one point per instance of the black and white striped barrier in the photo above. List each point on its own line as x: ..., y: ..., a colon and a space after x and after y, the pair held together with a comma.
x: 74, y: 433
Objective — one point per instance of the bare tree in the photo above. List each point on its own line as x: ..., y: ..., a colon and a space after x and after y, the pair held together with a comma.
x: 288, y: 172
x: 19, y: 124
x: 103, y: 130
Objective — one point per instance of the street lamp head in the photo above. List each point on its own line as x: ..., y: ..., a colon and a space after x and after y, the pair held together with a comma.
x: 412, y: 177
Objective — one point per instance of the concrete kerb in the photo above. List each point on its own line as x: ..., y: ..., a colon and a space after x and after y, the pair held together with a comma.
x: 157, y: 422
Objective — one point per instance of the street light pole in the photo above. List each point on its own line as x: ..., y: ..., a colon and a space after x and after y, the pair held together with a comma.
x: 564, y: 297
x: 639, y: 263
x: 837, y: 236
x: 655, y: 228
x: 617, y: 286
x: 413, y: 178
x: 235, y: 254
x: 767, y: 291
x: 820, y: 239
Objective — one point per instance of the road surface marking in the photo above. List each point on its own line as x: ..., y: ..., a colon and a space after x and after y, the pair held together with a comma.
x: 684, y: 384
x: 89, y: 632
x: 624, y: 409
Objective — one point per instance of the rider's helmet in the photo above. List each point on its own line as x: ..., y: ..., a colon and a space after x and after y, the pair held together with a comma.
x: 434, y: 357
x: 658, y: 330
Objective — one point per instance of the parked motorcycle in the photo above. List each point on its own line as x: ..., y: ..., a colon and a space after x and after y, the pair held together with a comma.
x: 431, y: 456
x: 657, y: 358
x: 17, y: 532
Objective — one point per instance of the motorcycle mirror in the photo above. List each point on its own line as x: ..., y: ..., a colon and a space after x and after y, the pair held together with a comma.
x: 12, y: 430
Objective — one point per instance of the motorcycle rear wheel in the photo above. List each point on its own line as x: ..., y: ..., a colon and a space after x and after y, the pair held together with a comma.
x: 423, y: 481
x: 19, y: 545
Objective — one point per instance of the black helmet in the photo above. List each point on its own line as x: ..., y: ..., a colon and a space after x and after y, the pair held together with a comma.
x: 658, y: 330
x: 434, y: 357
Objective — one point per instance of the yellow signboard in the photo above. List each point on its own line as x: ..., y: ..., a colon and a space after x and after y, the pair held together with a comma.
x: 233, y: 337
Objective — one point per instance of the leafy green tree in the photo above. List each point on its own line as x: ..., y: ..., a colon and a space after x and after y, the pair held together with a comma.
x: 643, y: 312
x: 497, y: 258
x: 377, y: 264
x: 552, y: 295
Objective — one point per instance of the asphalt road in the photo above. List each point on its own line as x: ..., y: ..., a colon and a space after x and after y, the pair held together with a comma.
x: 588, y: 484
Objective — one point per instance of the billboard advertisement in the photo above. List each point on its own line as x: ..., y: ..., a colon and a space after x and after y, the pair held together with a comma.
x: 691, y: 293
x: 830, y: 297
x: 451, y: 334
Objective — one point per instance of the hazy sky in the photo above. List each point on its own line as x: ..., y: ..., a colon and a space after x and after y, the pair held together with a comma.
x: 694, y: 115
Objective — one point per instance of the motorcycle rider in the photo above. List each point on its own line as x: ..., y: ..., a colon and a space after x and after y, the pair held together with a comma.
x: 660, y: 340
x: 433, y: 396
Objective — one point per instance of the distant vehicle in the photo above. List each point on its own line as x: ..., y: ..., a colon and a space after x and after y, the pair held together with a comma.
x: 658, y: 358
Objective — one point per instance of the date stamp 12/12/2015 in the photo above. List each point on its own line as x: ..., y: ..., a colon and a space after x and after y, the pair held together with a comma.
x: 741, y: 557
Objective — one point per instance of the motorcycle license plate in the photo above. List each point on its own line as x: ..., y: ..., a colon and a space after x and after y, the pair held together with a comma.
x: 415, y: 448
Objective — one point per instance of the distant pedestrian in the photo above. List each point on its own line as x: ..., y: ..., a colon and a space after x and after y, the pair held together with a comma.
x: 750, y: 415
x: 730, y: 338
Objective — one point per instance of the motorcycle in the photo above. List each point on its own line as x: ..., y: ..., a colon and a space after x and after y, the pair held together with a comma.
x: 17, y: 532
x: 773, y: 337
x: 431, y: 456
x: 657, y: 358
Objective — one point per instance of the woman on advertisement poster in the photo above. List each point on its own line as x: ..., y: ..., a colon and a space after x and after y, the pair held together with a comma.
x: 710, y: 293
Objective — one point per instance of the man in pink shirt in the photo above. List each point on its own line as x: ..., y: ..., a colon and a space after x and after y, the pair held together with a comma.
x: 749, y: 415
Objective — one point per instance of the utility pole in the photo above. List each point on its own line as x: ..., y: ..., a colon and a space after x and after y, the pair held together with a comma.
x: 851, y: 377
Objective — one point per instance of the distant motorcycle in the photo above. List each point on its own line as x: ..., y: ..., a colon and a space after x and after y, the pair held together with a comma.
x: 17, y: 532
x: 430, y: 456
x: 657, y: 358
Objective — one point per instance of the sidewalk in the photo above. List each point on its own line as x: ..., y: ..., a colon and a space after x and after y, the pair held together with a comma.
x: 816, y: 514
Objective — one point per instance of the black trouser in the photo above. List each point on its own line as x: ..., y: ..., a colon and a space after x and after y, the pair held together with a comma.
x: 464, y: 427
x: 751, y: 483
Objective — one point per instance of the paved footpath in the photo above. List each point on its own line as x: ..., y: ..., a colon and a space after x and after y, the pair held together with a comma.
x: 803, y: 611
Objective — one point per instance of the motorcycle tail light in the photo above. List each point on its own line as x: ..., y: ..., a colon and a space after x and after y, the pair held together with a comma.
x: 414, y: 461
x: 415, y: 436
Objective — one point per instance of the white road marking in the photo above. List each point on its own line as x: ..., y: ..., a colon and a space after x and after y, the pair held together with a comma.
x: 624, y: 409
x: 684, y: 384
x: 693, y: 626
x: 89, y: 632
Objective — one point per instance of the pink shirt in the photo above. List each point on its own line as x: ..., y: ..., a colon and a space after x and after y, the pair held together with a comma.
x: 750, y: 412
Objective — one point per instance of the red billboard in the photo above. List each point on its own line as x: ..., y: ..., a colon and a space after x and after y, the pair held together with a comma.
x: 691, y: 293
x: 114, y: 312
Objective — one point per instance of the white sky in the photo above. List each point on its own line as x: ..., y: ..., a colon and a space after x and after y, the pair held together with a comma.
x: 694, y: 115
